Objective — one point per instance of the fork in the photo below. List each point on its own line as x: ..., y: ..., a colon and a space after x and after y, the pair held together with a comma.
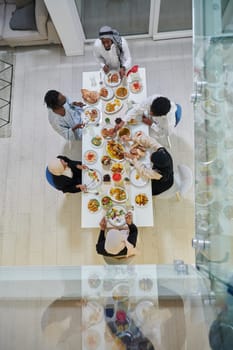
x: 93, y: 192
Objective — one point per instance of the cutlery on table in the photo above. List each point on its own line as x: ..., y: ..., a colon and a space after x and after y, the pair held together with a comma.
x: 96, y: 193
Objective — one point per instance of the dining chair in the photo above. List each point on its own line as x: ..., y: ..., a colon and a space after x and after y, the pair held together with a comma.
x: 49, y: 177
x: 183, y: 180
x: 178, y: 115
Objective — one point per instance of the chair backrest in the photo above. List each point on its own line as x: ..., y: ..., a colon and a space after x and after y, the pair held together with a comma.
x: 178, y: 113
x: 186, y: 178
x: 49, y: 177
x: 183, y: 179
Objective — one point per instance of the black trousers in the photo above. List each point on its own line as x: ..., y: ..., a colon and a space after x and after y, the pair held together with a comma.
x: 162, y: 185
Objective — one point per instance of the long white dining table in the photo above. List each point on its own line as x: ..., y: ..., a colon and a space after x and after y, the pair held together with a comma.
x: 142, y: 215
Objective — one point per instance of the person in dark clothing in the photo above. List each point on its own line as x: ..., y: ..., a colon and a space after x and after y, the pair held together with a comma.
x: 163, y: 164
x: 67, y: 174
x: 117, y: 243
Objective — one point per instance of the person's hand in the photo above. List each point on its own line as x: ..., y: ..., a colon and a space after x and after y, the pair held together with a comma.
x: 122, y: 72
x: 78, y: 104
x: 82, y: 167
x: 106, y: 69
x: 78, y: 126
x: 129, y: 218
x: 129, y: 155
x: 146, y: 120
x: 83, y: 188
x: 103, y: 224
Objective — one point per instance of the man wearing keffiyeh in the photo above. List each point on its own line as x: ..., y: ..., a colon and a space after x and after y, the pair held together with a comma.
x: 111, y: 51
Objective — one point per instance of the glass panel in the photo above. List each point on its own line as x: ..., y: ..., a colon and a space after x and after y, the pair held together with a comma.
x: 121, y: 15
x: 102, y: 307
x: 213, y: 107
x: 175, y: 15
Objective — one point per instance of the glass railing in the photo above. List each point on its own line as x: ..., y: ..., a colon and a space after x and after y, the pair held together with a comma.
x: 103, y: 307
x: 213, y: 107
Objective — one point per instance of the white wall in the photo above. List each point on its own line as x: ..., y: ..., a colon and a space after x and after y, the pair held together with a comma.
x: 66, y: 20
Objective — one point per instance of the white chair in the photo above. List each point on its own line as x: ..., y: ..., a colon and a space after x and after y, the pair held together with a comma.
x: 183, y: 180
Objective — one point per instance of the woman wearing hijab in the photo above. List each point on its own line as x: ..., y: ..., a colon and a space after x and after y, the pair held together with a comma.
x: 161, y: 172
x: 117, y: 243
x: 67, y: 174
x: 112, y: 51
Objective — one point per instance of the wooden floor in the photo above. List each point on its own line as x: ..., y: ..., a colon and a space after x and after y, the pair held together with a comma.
x: 41, y: 226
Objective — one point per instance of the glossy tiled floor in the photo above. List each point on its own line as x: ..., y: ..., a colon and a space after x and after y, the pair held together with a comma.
x: 41, y: 226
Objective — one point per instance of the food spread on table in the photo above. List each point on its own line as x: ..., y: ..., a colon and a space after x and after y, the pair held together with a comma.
x: 135, y: 86
x: 106, y: 202
x: 117, y: 168
x: 106, y: 93
x: 108, y: 131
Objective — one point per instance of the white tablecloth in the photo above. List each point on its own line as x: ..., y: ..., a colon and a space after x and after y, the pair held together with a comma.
x: 142, y: 216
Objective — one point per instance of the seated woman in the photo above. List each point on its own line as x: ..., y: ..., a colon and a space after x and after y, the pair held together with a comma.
x: 118, y: 243
x: 67, y: 174
x: 161, y: 173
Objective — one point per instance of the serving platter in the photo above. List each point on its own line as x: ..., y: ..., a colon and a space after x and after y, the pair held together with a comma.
x: 118, y: 194
x: 113, y: 106
x: 115, y: 150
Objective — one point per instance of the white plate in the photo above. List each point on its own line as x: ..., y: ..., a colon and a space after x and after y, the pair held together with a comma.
x: 87, y: 115
x: 107, y: 77
x: 116, y: 108
x: 142, y: 309
x: 138, y: 182
x: 97, y: 146
x: 92, y: 179
x: 116, y: 219
x: 94, y: 157
x: 118, y: 189
x: 110, y: 94
x: 133, y: 90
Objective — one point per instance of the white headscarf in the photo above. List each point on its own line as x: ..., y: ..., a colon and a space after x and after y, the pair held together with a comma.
x: 107, y: 32
x: 116, y: 240
x: 56, y: 167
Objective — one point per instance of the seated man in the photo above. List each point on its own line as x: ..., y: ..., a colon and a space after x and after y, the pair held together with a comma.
x: 111, y: 51
x: 117, y: 243
x: 67, y: 174
x: 64, y: 117
x: 161, y: 118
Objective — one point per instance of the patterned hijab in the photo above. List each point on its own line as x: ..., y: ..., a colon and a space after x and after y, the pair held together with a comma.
x: 107, y: 32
